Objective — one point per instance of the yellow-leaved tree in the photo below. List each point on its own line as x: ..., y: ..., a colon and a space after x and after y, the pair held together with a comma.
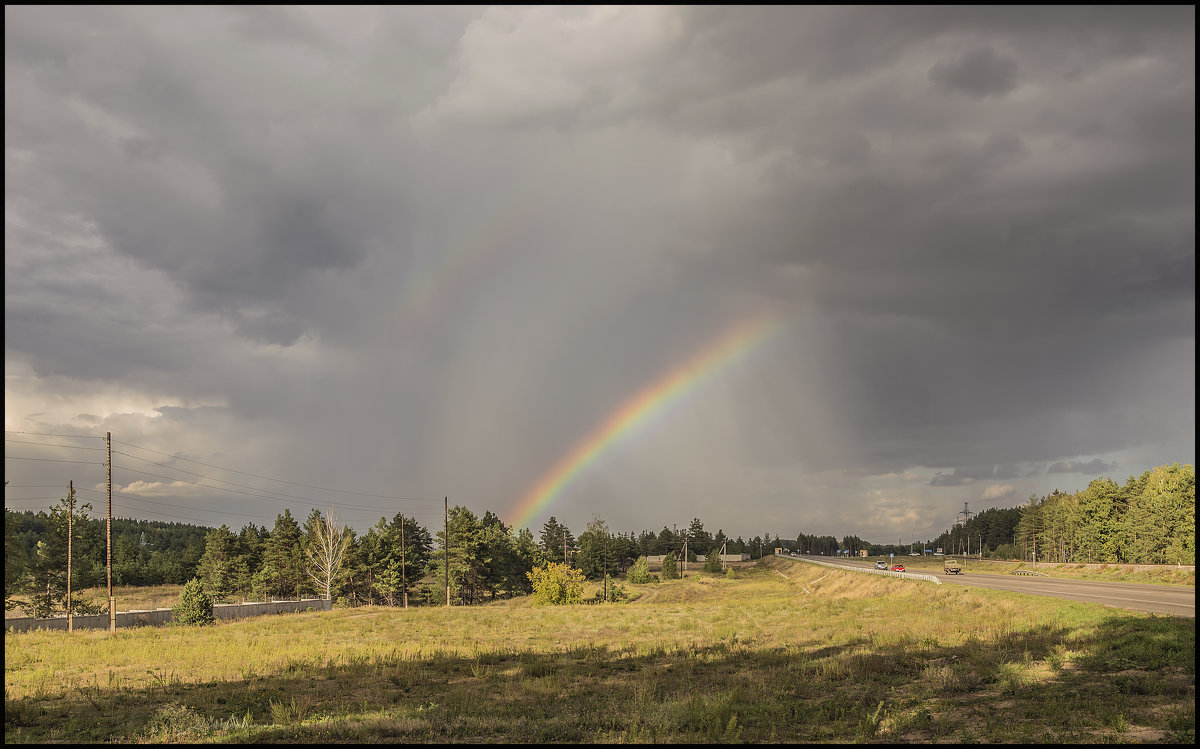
x: 556, y: 584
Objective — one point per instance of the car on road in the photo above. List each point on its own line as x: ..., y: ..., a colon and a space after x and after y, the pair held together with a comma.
x: 881, y: 565
x: 897, y: 568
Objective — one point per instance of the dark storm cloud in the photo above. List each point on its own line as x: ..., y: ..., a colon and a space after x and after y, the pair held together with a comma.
x: 979, y: 73
x: 972, y: 474
x: 443, y: 245
x: 1094, y: 467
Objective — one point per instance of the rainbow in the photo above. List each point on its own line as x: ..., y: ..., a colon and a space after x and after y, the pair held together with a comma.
x: 653, y: 399
x: 468, y: 245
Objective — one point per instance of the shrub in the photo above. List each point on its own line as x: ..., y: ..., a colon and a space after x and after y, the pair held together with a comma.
x: 174, y: 722
x: 670, y: 570
x: 195, y: 607
x: 639, y: 573
x: 556, y: 584
x: 615, y: 592
x: 712, y: 563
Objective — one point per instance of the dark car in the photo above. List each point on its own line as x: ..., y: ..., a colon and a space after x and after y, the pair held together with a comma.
x: 897, y: 568
x: 881, y: 565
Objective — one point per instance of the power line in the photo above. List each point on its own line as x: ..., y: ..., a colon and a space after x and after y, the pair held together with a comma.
x: 180, y: 507
x: 24, y: 499
x: 268, y: 478
x: 51, y: 460
x: 254, y: 491
x: 53, y: 444
x: 31, y: 486
x: 44, y: 434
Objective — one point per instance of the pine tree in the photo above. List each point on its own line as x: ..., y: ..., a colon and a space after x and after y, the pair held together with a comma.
x: 195, y: 607
x: 712, y: 563
x: 217, y: 567
x: 282, y: 572
x: 670, y: 566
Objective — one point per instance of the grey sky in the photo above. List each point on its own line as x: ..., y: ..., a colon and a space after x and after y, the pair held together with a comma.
x: 425, y: 252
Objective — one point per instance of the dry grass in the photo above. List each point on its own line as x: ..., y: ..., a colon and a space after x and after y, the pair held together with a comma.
x: 819, y: 656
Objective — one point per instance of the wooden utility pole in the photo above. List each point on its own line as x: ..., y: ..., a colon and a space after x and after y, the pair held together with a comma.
x: 685, y: 553
x: 446, y: 510
x: 112, y: 604
x: 606, y: 569
x: 565, y: 545
x: 70, y: 522
x: 403, y: 574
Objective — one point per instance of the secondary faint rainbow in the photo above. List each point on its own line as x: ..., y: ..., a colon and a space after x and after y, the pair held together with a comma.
x: 651, y: 400
x: 462, y: 250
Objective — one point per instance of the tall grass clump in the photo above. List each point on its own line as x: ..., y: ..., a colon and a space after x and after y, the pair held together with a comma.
x: 176, y: 723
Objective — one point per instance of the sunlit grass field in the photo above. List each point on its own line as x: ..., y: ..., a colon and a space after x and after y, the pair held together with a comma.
x: 784, y: 652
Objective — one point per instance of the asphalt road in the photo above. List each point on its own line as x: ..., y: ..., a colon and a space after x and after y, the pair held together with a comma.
x: 1157, y: 599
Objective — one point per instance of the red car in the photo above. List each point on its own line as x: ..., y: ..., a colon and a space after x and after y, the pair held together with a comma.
x: 897, y: 568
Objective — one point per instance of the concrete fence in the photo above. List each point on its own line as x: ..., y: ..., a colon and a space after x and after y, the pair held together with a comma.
x: 658, y: 559
x: 158, y: 617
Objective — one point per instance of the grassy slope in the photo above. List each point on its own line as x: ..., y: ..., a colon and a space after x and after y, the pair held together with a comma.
x: 786, y: 652
x: 1114, y: 573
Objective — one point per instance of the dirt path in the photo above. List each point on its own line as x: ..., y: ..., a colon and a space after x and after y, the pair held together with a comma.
x: 648, y: 594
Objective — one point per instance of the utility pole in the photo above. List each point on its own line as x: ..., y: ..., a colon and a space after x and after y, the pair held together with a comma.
x: 565, y: 545
x: 112, y: 603
x: 723, y: 543
x: 70, y: 521
x: 685, y: 553
x: 606, y: 568
x: 446, y: 510
x: 403, y: 572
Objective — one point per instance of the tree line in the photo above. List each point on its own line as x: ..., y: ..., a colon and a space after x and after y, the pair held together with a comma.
x: 396, y: 561
x: 1150, y: 519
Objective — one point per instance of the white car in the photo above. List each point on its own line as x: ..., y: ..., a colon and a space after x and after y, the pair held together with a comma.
x: 881, y: 565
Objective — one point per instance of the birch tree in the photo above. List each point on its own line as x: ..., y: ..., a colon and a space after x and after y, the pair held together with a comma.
x: 327, y: 546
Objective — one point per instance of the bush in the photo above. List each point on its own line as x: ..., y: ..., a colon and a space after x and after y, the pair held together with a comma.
x: 712, y: 563
x: 615, y: 592
x: 1005, y: 551
x: 639, y: 573
x: 195, y: 607
x: 556, y: 585
x: 174, y: 722
x: 670, y: 570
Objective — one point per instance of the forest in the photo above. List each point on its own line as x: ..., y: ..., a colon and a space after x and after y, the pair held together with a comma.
x: 1150, y: 519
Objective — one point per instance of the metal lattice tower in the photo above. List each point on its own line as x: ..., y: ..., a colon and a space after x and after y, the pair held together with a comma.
x: 965, y: 515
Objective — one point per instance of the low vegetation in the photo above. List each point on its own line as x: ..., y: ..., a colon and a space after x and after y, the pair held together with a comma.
x: 784, y: 652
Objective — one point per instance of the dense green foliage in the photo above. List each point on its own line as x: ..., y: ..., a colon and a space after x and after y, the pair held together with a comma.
x: 145, y: 552
x: 1149, y: 520
x: 195, y: 607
